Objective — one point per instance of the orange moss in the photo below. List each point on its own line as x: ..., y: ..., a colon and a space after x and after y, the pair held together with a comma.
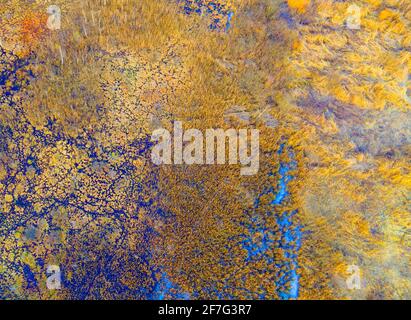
x: 299, y: 5
x: 33, y: 26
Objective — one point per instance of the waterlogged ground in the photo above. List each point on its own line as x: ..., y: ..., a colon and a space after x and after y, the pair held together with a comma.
x: 80, y: 194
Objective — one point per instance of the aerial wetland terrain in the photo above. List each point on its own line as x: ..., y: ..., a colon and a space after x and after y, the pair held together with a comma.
x: 321, y: 210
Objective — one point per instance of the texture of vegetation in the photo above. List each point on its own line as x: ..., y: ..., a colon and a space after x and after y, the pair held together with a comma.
x: 78, y: 189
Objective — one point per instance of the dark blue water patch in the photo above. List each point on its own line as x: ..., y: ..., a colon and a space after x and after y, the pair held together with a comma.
x: 31, y: 163
x: 209, y: 8
x: 29, y: 277
x: 12, y: 64
x: 40, y: 262
x: 162, y: 214
x: 22, y: 202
